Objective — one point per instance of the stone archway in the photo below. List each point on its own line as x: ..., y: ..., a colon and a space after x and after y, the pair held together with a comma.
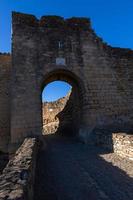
x: 57, y: 107
x: 71, y: 116
x: 54, y: 48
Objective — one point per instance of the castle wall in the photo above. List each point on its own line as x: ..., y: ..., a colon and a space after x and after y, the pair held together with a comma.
x: 53, y: 48
x: 108, y: 71
x: 5, y: 69
x: 26, y: 96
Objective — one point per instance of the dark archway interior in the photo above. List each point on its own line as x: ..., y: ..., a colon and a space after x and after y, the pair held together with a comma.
x: 66, y: 122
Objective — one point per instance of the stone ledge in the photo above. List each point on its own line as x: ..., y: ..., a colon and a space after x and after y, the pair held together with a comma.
x: 123, y: 145
x: 119, y: 143
x: 17, y: 180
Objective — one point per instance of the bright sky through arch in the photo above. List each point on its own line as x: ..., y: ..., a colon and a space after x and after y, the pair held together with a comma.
x: 55, y: 90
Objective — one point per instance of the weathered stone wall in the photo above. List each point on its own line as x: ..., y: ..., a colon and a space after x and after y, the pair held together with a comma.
x: 4, y: 158
x: 17, y: 180
x: 123, y: 145
x: 69, y: 117
x: 120, y: 143
x: 5, y: 70
x: 54, y: 48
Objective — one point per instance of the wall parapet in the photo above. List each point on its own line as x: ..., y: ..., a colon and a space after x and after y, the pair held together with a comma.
x: 25, y: 19
x: 119, y: 143
x: 120, y: 52
x: 51, y: 21
x: 76, y: 24
x: 17, y: 179
x: 123, y: 145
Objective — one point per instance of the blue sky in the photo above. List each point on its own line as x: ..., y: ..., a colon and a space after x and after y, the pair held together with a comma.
x: 55, y: 90
x: 111, y: 19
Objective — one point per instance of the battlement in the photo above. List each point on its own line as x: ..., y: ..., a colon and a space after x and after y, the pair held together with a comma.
x: 25, y: 19
x: 60, y: 22
x: 121, y: 52
x: 78, y: 23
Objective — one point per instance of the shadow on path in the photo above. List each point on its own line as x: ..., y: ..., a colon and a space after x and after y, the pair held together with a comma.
x: 67, y: 170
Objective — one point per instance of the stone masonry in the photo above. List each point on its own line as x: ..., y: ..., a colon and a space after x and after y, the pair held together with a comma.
x: 123, y: 145
x: 17, y: 179
x: 54, y: 48
x: 5, y: 76
x: 50, y: 114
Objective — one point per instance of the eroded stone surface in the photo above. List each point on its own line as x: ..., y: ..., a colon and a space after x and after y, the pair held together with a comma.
x: 5, y: 77
x: 123, y: 145
x: 17, y: 179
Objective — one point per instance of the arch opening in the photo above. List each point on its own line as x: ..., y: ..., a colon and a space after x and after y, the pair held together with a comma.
x: 55, y: 97
x: 61, y: 115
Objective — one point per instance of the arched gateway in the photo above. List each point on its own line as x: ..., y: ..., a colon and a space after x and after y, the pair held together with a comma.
x: 74, y: 105
x: 53, y: 48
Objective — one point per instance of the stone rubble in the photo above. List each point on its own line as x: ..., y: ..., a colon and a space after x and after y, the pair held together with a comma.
x: 17, y: 179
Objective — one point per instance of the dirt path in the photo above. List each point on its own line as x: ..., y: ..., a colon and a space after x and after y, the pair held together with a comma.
x: 68, y: 170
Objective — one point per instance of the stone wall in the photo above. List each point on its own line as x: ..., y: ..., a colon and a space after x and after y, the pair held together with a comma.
x: 17, y: 179
x: 123, y: 145
x: 69, y: 117
x: 120, y: 143
x: 54, y: 48
x: 5, y: 75
x: 4, y: 158
x: 50, y: 112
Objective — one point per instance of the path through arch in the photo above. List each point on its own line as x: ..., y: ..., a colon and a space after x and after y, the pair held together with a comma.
x: 70, y: 114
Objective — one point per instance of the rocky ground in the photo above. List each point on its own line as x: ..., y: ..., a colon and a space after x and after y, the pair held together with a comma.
x: 69, y: 170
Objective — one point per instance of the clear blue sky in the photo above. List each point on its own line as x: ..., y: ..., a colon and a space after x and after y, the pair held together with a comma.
x: 111, y: 19
x: 55, y: 90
